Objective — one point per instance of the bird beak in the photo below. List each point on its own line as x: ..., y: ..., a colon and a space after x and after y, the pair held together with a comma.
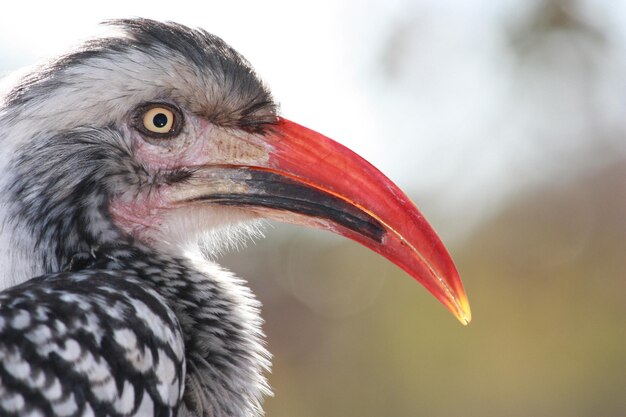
x: 307, y: 178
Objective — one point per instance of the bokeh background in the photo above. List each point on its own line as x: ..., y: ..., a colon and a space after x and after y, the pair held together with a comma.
x: 505, y: 120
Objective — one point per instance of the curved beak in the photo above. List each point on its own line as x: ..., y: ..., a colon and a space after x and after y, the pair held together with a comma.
x: 308, y: 178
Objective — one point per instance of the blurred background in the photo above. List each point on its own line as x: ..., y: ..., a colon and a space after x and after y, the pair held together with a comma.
x: 505, y: 121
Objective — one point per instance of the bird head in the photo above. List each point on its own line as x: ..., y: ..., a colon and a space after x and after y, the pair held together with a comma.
x: 165, y: 135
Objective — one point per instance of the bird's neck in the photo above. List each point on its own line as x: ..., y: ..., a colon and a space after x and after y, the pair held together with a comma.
x: 224, y: 347
x: 54, y: 191
x: 27, y: 250
x: 20, y: 262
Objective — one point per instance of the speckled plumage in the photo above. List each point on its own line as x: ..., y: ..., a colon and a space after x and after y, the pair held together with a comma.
x: 89, y: 343
x: 105, y: 337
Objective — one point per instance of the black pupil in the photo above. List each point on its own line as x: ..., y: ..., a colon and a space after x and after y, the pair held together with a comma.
x: 160, y: 120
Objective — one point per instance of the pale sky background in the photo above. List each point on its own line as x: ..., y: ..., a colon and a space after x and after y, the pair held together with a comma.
x: 426, y: 90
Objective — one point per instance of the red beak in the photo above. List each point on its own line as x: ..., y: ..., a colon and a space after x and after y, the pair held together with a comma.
x: 405, y: 237
x: 308, y: 178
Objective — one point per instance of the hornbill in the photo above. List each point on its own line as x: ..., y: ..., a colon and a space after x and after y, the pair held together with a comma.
x: 122, y: 163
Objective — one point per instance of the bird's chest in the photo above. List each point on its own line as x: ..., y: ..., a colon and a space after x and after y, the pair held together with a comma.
x: 203, y: 326
x: 89, y: 343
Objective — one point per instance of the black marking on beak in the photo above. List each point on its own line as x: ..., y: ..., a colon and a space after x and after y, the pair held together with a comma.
x: 274, y: 191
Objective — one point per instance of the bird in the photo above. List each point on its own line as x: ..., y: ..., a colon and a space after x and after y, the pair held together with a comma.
x: 127, y: 164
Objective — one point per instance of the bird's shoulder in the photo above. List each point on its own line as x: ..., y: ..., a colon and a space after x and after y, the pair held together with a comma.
x: 89, y: 342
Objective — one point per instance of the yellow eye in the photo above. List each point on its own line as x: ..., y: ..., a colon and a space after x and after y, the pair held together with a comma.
x: 158, y: 120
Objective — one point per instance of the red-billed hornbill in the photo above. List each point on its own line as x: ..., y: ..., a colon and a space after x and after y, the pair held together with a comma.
x: 117, y: 159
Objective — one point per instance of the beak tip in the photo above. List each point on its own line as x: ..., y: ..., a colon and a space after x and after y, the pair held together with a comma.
x: 465, y: 319
x: 464, y: 313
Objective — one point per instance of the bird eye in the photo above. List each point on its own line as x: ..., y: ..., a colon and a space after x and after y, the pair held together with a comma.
x: 158, y: 120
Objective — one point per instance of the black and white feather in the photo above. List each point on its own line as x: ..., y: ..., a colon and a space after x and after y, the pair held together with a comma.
x: 92, y: 322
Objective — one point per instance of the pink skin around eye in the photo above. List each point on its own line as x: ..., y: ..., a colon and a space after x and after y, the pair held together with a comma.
x: 200, y: 144
x: 176, y: 152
